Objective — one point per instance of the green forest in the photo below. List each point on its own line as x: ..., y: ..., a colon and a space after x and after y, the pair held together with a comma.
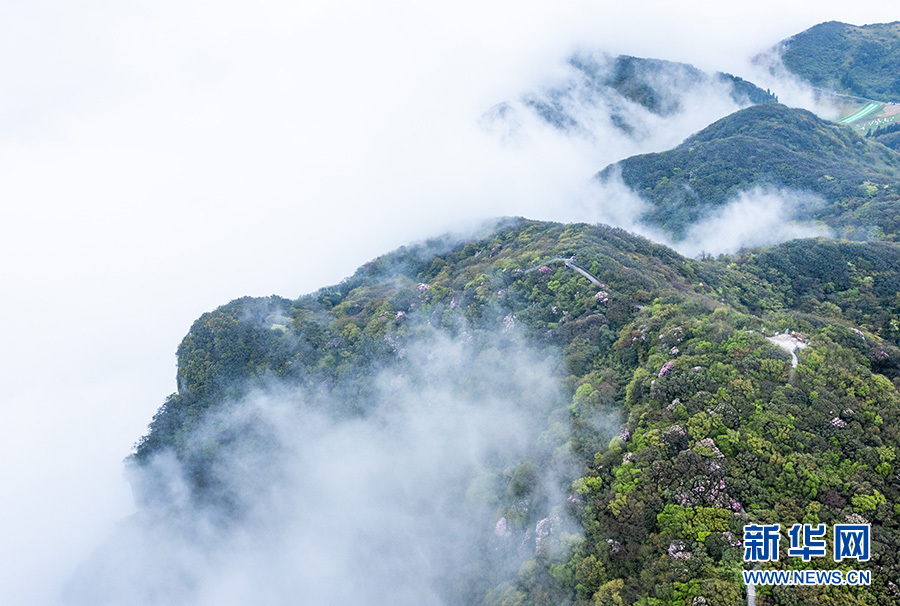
x: 714, y: 432
x: 848, y: 59
x: 681, y: 419
x: 769, y: 146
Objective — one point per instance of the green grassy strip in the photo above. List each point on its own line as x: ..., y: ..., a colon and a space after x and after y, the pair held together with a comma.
x: 865, y: 111
x: 859, y: 114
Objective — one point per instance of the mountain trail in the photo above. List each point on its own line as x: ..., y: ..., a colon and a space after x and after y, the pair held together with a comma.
x: 573, y: 264
x: 790, y: 342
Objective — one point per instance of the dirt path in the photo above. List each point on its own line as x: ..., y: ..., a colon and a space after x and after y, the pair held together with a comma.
x: 789, y: 343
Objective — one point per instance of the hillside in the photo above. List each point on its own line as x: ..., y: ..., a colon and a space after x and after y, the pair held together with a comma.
x: 682, y: 421
x: 849, y: 59
x: 654, y: 84
x: 601, y: 87
x: 888, y: 135
x: 769, y: 146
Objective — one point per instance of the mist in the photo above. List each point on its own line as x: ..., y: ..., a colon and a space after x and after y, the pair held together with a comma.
x: 160, y: 159
x: 400, y: 505
x: 758, y: 217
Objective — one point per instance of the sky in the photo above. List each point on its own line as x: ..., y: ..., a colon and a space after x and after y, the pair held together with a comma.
x: 158, y: 159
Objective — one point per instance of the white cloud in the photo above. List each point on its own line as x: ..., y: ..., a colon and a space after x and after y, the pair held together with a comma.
x: 758, y: 217
x: 395, y: 507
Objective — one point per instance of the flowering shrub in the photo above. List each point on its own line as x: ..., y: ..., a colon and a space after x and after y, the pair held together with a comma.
x: 731, y: 540
x: 677, y: 551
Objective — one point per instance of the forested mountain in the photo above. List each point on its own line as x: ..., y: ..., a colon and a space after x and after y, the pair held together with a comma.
x: 768, y: 146
x: 679, y: 421
x: 849, y: 59
x: 654, y: 84
x: 638, y: 407
x: 615, y: 89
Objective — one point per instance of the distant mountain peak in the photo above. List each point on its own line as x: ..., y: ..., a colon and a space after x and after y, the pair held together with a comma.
x: 847, y: 59
x: 621, y: 91
x: 769, y: 146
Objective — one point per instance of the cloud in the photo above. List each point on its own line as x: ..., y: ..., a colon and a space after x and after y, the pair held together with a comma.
x: 398, y: 506
x: 761, y: 216
x: 758, y: 217
x: 768, y: 71
x: 622, y: 105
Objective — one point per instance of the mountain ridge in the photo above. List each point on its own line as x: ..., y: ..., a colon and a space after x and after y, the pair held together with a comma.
x: 764, y: 145
x: 620, y: 84
x: 676, y: 344
x: 845, y: 58
x: 679, y: 418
